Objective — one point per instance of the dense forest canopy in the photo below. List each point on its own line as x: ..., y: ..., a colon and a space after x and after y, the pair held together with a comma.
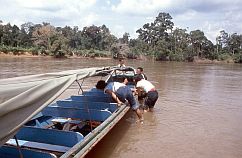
x: 158, y: 39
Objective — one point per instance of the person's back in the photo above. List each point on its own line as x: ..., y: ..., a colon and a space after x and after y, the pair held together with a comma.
x: 120, y: 92
x: 114, y: 86
x: 151, y: 94
x: 146, y: 85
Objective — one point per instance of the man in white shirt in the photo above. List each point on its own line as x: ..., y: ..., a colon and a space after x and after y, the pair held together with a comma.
x: 121, y: 63
x: 146, y: 89
x: 120, y: 93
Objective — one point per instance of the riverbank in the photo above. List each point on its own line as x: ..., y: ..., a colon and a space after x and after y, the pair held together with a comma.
x: 23, y: 54
x: 208, y: 61
x: 30, y: 55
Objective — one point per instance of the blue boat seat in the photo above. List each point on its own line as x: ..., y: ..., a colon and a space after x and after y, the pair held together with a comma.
x: 37, y: 116
x: 49, y: 136
x: 46, y: 139
x: 92, y: 98
x: 13, y: 152
x: 66, y: 120
x: 40, y: 146
x: 96, y: 93
x: 77, y: 113
x: 84, y: 105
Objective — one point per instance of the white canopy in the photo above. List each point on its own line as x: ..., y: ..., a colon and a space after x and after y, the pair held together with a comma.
x: 21, y: 98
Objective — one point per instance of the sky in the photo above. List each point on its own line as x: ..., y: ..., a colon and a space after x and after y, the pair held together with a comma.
x: 120, y: 16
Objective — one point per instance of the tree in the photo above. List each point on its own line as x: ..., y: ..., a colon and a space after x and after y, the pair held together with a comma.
x: 180, y: 40
x: 44, y: 36
x: 1, y: 32
x: 6, y: 34
x: 234, y: 43
x: 197, y: 39
x: 26, y: 34
x: 125, y: 39
x: 158, y: 30
x: 202, y: 47
x: 107, y: 39
x: 91, y: 36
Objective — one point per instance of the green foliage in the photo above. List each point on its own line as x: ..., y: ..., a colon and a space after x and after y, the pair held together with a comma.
x: 176, y: 56
x: 151, y: 33
x: 157, y: 39
x: 92, y: 53
x: 224, y: 56
x: 237, y: 58
x: 4, y: 49
x: 18, y: 50
x: 114, y: 52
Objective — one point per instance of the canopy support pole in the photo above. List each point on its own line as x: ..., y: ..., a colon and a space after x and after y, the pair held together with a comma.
x: 19, y: 148
x: 80, y: 86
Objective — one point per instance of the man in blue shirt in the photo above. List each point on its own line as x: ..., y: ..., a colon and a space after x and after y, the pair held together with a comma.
x: 121, y: 93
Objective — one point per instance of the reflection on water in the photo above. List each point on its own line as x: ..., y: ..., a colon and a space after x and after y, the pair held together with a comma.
x: 198, y: 114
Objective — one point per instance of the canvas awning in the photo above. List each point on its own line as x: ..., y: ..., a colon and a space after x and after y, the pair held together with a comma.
x: 21, y: 98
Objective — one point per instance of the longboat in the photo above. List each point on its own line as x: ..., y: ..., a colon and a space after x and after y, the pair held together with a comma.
x: 71, y: 127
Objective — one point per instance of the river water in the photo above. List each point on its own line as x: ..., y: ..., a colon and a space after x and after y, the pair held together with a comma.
x: 198, y: 114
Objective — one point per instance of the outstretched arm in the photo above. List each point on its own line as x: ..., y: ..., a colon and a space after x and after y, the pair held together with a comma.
x: 114, y: 96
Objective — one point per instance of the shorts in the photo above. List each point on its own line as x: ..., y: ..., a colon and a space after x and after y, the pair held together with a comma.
x: 151, y: 99
x: 124, y: 93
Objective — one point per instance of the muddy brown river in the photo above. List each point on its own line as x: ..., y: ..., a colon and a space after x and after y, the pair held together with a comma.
x: 198, y: 114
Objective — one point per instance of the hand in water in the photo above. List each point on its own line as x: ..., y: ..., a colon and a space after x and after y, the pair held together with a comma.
x: 120, y: 104
x: 141, y: 121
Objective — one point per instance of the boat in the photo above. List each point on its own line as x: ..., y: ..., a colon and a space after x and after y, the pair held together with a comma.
x: 32, y: 125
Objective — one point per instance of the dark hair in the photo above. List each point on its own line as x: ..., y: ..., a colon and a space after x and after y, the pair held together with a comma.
x: 101, y: 84
x: 123, y: 78
x: 137, y: 78
x: 141, y: 69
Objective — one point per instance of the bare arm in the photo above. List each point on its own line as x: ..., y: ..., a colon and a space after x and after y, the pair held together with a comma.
x: 114, y: 96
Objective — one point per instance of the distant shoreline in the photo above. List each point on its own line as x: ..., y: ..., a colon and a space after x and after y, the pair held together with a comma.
x: 29, y: 55
x: 25, y: 54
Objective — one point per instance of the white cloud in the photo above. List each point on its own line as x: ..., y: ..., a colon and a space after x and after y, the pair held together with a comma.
x: 108, y: 2
x: 127, y: 15
x: 133, y: 34
x: 60, y: 13
x: 118, y: 30
x: 188, y: 15
x: 90, y: 19
x: 53, y: 4
x: 140, y: 7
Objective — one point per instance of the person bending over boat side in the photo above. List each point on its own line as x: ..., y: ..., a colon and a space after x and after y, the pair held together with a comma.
x: 121, y: 93
x: 146, y: 90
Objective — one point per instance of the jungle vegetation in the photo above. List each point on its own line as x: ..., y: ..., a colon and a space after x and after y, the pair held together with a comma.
x: 158, y: 40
